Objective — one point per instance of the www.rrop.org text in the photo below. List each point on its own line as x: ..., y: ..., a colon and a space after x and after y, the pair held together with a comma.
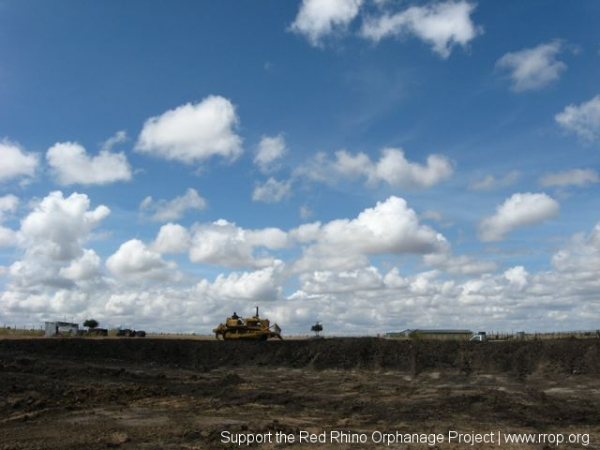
x: 498, y: 438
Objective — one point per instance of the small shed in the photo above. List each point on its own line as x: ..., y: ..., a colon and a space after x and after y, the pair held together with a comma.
x: 61, y: 328
x: 398, y: 334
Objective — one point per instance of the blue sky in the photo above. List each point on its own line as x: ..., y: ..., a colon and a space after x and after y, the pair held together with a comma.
x: 372, y: 164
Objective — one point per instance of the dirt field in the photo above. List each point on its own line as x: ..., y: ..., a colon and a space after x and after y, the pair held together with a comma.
x: 178, y: 394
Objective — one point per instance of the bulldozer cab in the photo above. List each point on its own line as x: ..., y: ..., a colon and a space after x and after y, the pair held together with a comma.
x: 231, y: 322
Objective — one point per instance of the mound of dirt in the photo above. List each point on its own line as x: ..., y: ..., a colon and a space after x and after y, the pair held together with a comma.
x: 523, y: 358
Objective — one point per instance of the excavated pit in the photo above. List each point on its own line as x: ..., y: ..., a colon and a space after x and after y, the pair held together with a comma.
x: 182, y: 394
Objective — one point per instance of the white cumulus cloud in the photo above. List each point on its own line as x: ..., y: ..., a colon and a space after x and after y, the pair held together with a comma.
x: 82, y: 268
x: 270, y: 149
x: 165, y: 210
x: 583, y: 119
x: 521, y: 209
x: 328, y: 282
x: 533, y: 68
x: 390, y: 227
x: 396, y: 170
x: 135, y: 261
x: 392, y: 168
x: 272, y: 191
x: 517, y: 277
x: 172, y: 238
x: 340, y: 268
x: 441, y: 25
x: 258, y: 286
x: 15, y: 161
x: 51, y: 237
x: 193, y: 132
x: 579, y: 261
x: 58, y: 226
x: 72, y: 165
x: 224, y: 243
x: 318, y: 19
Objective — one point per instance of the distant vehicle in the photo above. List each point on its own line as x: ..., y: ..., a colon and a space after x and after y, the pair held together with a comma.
x: 479, y: 337
x: 250, y: 328
x: 97, y: 332
x: 127, y: 332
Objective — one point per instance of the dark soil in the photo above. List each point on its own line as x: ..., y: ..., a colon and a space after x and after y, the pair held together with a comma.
x: 180, y: 394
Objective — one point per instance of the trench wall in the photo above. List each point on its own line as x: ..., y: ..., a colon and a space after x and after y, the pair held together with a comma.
x: 568, y: 356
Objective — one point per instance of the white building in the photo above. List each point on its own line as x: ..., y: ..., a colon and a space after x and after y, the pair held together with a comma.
x: 60, y: 328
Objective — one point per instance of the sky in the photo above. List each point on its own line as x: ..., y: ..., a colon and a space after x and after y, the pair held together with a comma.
x: 374, y: 165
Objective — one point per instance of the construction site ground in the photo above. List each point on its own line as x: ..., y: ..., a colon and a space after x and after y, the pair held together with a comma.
x: 69, y: 393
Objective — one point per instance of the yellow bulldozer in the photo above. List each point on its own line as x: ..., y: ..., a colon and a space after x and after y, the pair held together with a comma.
x: 254, y: 328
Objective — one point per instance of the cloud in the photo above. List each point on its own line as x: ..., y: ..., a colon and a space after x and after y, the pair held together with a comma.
x: 193, y: 132
x: 42, y: 305
x: 72, y: 165
x: 165, y: 210
x: 16, y: 162
x: 134, y: 261
x: 328, y: 282
x: 52, y: 236
x: 58, y: 226
x: 518, y: 277
x: 224, y: 243
x: 272, y: 191
x: 490, y: 182
x: 118, y: 138
x: 514, y: 298
x: 533, y: 68
x: 573, y: 177
x: 337, y: 270
x: 172, y: 238
x: 270, y: 149
x: 390, y: 227
x: 517, y: 211
x: 318, y: 19
x: 258, y: 286
x: 345, y: 300
x: 392, y: 168
x: 83, y: 268
x: 563, y: 296
x: 342, y: 296
x: 458, y: 265
x: 396, y: 170
x: 579, y: 260
x: 441, y: 25
x: 583, y: 120
x: 8, y: 204
x: 7, y: 237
